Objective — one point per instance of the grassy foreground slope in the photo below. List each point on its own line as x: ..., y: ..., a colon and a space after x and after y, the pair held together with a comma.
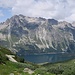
x: 20, y: 67
x: 62, y: 68
x: 11, y: 68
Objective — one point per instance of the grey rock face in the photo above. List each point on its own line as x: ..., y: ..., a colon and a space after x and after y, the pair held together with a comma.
x: 37, y: 35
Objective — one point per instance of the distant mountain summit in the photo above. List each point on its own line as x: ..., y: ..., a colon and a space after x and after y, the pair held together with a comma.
x: 30, y: 35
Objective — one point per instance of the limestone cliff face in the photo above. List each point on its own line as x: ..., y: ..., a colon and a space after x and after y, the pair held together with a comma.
x: 37, y: 35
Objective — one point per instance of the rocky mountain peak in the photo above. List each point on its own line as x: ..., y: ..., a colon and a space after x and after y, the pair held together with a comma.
x: 24, y: 19
x: 32, y: 35
x: 53, y: 21
x: 39, y: 33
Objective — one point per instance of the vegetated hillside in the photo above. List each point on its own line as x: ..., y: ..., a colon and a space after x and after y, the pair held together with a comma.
x: 3, y: 55
x: 17, y: 68
x: 3, y: 52
x: 62, y: 68
x: 26, y: 68
x: 8, y: 67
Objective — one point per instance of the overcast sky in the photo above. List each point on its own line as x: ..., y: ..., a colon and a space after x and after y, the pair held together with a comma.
x: 57, y: 9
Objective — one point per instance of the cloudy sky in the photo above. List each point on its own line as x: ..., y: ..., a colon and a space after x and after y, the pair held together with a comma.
x: 57, y: 9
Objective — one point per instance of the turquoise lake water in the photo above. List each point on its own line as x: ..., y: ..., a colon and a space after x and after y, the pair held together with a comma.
x: 49, y: 57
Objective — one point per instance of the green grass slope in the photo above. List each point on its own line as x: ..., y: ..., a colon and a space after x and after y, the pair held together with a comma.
x: 7, y: 67
x: 11, y: 68
x: 62, y: 68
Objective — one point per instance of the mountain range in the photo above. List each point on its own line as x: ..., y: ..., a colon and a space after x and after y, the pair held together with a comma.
x: 31, y: 35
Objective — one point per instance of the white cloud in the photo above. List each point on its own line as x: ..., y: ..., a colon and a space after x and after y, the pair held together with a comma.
x: 71, y: 18
x: 7, y: 3
x: 41, y: 8
x: 57, y: 9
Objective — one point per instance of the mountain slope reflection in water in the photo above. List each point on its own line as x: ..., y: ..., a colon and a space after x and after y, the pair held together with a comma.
x: 50, y: 58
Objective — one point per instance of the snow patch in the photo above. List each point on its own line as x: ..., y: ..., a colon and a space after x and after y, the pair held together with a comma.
x: 11, y: 58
